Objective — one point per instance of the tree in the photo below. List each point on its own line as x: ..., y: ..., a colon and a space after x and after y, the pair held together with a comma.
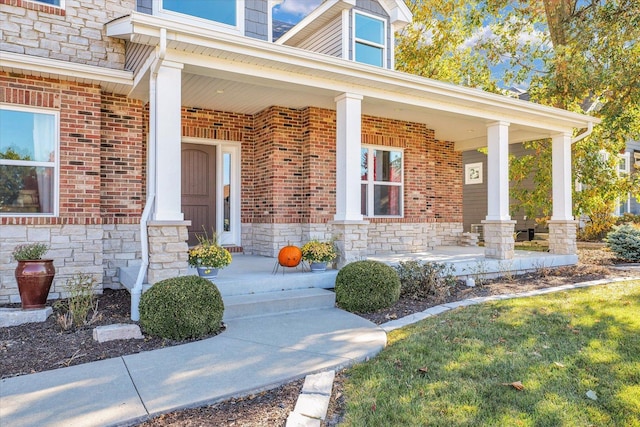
x: 572, y: 54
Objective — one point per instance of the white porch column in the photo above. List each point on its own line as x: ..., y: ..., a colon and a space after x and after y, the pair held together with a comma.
x: 166, y: 105
x: 561, y: 176
x: 348, y: 226
x: 562, y: 227
x: 498, y: 226
x: 498, y: 172
x: 348, y: 142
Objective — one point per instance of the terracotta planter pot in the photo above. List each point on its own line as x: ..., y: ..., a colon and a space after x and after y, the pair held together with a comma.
x: 34, y: 279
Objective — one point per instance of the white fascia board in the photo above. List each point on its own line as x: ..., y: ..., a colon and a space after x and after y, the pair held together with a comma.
x: 399, y: 13
x: 327, y: 72
x: 65, y: 70
x: 305, y: 26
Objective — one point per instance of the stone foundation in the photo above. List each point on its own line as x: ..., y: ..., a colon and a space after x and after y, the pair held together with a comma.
x: 562, y: 237
x: 75, y: 249
x: 351, y: 241
x: 498, y: 239
x: 168, y: 250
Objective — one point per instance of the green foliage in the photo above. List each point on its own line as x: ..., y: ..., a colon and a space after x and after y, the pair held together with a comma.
x: 624, y: 241
x: 181, y: 307
x: 317, y: 251
x: 366, y: 286
x: 29, y: 251
x: 420, y: 279
x: 12, y: 177
x: 81, y: 300
x: 628, y: 218
x: 572, y: 55
x: 208, y: 253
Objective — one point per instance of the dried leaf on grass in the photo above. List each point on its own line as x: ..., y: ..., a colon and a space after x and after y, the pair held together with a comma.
x: 516, y: 384
x: 558, y: 364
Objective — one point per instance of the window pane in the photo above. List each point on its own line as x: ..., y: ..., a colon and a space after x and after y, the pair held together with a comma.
x: 386, y: 200
x: 366, y: 54
x: 26, y: 189
x: 27, y: 136
x: 364, y: 166
x: 387, y: 166
x: 363, y: 199
x: 226, y: 177
x: 223, y: 11
x: 369, y: 29
x: 53, y: 2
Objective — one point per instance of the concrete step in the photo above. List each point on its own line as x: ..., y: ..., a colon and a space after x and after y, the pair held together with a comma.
x: 251, y: 305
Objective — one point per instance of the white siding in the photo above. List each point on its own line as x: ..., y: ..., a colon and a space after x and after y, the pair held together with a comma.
x: 327, y: 41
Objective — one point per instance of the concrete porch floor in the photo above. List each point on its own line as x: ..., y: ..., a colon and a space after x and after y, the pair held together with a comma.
x: 252, y: 273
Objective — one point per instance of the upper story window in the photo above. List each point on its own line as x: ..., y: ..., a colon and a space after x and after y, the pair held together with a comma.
x: 229, y: 13
x: 369, y: 39
x: 51, y: 2
x: 28, y: 161
x: 381, y: 172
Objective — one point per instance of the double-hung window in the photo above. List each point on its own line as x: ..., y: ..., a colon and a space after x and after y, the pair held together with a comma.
x: 226, y: 12
x: 381, y: 171
x: 28, y: 161
x: 369, y: 39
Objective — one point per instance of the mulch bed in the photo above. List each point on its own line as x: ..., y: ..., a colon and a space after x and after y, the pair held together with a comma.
x: 36, y: 347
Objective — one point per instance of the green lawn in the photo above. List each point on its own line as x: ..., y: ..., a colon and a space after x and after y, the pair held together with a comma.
x: 449, y: 370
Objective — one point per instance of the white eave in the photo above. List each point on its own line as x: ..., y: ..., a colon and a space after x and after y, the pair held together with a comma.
x: 110, y: 80
x: 261, y: 74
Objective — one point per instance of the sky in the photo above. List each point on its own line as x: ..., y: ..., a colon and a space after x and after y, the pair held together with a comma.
x: 292, y: 11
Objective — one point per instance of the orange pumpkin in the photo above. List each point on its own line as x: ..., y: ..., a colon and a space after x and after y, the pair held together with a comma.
x: 289, y: 256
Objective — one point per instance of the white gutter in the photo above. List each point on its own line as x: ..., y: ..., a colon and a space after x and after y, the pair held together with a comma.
x: 136, y: 291
x: 584, y: 134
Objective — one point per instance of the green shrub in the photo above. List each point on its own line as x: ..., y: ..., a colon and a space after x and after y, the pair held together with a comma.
x: 628, y: 218
x: 624, y: 241
x: 419, y: 279
x: 366, y: 286
x: 181, y: 307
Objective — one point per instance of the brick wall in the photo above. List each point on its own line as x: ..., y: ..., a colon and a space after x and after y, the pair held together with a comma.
x: 75, y: 33
x: 122, y: 157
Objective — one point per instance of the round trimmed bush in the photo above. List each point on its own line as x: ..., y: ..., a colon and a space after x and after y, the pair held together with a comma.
x: 181, y: 307
x: 624, y: 241
x: 367, y: 286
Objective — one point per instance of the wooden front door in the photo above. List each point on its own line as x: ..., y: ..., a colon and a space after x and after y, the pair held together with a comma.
x: 199, y: 189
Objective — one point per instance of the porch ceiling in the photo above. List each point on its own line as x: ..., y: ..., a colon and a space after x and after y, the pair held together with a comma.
x: 236, y: 74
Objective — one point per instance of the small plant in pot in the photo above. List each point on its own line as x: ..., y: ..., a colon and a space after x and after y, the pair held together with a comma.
x: 33, y: 274
x: 208, y: 256
x: 318, y: 254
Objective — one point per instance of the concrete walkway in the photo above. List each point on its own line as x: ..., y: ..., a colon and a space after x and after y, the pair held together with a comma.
x: 253, y: 354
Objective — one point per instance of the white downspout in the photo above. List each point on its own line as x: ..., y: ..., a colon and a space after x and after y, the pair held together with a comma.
x: 136, y: 291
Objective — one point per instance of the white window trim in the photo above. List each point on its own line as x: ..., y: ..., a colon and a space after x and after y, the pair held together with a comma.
x: 157, y: 10
x: 355, y: 40
x: 57, y: 6
x: 55, y: 164
x: 626, y: 157
x: 233, y: 237
x: 371, y: 183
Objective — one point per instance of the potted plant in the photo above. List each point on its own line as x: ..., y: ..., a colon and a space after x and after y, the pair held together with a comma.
x: 318, y: 254
x: 33, y: 274
x: 208, y: 256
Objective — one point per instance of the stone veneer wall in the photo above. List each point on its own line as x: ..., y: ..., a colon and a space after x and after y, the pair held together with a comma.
x: 74, y: 33
x: 386, y: 238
